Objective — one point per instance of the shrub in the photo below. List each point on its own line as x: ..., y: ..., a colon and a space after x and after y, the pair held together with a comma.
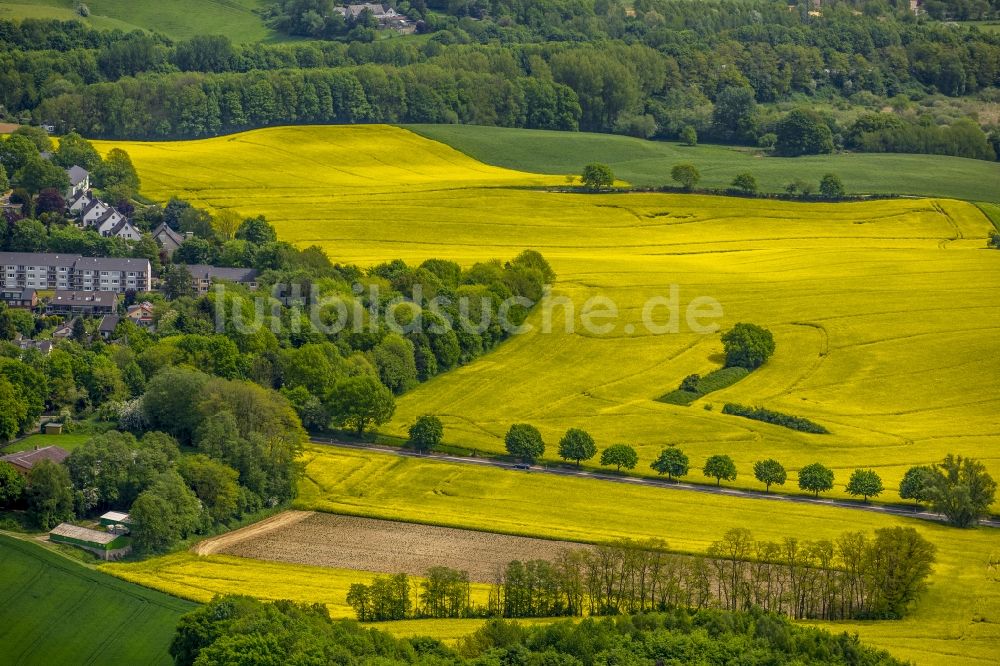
x: 831, y: 187
x: 686, y: 174
x: 775, y: 418
x: 745, y: 183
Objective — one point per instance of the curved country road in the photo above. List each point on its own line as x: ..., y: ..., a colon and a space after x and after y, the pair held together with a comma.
x: 653, y: 483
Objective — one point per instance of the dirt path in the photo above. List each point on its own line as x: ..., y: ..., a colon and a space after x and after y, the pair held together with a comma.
x: 230, y: 539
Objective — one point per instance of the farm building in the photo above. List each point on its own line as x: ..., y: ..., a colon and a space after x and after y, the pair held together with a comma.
x: 23, y: 461
x: 106, y: 545
x: 112, y: 518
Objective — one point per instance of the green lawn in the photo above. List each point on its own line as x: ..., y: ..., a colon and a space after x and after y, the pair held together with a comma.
x: 68, y: 442
x: 178, y: 19
x: 648, y: 163
x: 53, y: 611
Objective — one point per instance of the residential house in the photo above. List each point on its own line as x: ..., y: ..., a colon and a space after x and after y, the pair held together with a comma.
x: 19, y: 298
x: 44, y: 347
x: 24, y: 461
x: 87, y: 303
x: 64, y: 331
x: 386, y: 16
x: 124, y: 229
x: 168, y: 239
x: 37, y: 270
x: 93, y: 212
x: 204, y: 276
x: 76, y: 203
x: 108, y: 325
x: 141, y: 314
x: 79, y: 180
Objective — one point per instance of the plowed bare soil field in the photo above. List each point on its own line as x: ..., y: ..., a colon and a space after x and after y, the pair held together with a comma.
x: 384, y: 546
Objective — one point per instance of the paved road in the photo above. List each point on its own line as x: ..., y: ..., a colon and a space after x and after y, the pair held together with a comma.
x: 655, y: 483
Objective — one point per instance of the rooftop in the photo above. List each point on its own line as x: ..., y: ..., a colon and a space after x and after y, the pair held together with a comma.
x: 28, y: 459
x: 107, y: 298
x: 83, y: 534
x: 202, y: 271
x: 77, y: 175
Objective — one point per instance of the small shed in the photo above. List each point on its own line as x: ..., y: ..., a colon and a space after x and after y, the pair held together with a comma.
x: 106, y: 545
x: 53, y: 428
x: 112, y: 518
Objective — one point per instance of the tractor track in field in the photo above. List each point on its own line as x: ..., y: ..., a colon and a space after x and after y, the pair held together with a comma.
x: 643, y: 481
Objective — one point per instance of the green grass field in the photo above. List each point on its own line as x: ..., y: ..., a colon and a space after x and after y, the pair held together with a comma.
x: 66, y: 441
x: 55, y: 611
x: 177, y: 19
x: 648, y: 163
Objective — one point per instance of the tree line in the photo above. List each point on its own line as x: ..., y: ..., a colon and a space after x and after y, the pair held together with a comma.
x: 245, y: 630
x: 855, y: 576
x: 659, y: 73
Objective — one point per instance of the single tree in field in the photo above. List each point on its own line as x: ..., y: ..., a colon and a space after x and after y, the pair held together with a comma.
x: 917, y: 484
x: 358, y: 402
x: 962, y: 490
x: 689, y: 135
x: 720, y: 467
x: 864, y: 483
x: 686, y: 174
x: 620, y: 455
x: 747, y: 346
x: 831, y: 187
x: 745, y: 183
x: 577, y: 445
x: 525, y: 442
x: 598, y: 176
x: 671, y: 462
x: 426, y: 433
x: 815, y: 478
x: 769, y: 471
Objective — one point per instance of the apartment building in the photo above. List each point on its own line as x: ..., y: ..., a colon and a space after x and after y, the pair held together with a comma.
x: 41, y: 271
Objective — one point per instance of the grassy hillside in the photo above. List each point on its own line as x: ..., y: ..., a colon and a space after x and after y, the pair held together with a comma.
x: 954, y: 623
x: 178, y: 19
x: 54, y: 611
x: 885, y: 313
x: 648, y: 163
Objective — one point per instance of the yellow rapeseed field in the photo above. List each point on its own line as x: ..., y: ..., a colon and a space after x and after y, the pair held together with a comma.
x: 956, y: 622
x: 886, y: 314
x: 189, y: 576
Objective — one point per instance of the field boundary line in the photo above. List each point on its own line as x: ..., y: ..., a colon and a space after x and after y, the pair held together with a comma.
x: 220, y: 543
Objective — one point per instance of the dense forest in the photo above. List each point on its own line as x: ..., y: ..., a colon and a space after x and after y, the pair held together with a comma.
x: 246, y: 631
x: 729, y: 70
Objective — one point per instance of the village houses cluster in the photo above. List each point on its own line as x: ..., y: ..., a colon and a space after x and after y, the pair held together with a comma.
x: 72, y: 285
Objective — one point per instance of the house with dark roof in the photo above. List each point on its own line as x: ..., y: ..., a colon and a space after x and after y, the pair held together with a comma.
x: 24, y: 461
x: 19, y: 298
x: 204, y: 276
x: 87, y: 303
x: 44, y: 347
x: 124, y: 229
x: 167, y: 238
x: 79, y: 180
x: 108, y: 325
